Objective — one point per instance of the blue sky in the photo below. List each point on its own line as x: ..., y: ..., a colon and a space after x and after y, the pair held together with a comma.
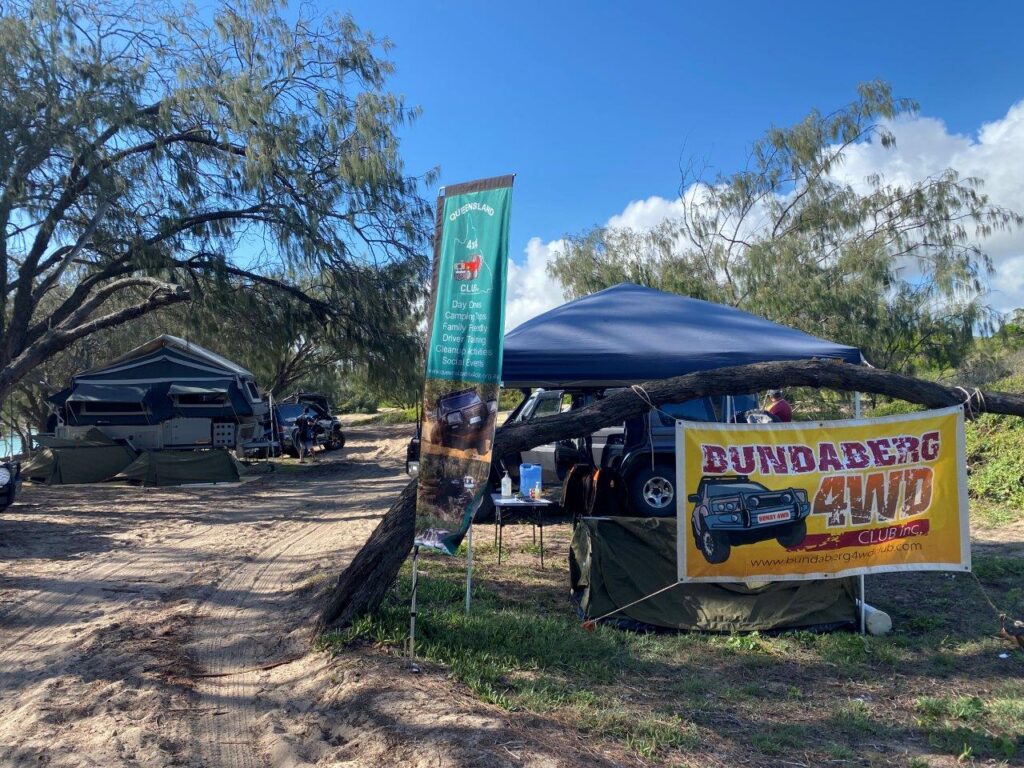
x: 593, y: 105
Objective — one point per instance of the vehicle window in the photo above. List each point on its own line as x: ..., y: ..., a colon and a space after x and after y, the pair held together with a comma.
x: 526, y: 407
x: 547, y: 406
x: 744, y: 403
x: 718, y: 405
x: 206, y: 398
x: 253, y: 392
x: 731, y: 489
x: 566, y: 403
x: 112, y: 409
x: 289, y: 412
x: 691, y: 410
x: 459, y: 400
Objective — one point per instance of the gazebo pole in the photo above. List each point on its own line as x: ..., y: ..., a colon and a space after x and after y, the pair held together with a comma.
x: 860, y: 579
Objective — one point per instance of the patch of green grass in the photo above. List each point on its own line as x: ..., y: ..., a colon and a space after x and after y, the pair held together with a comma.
x: 965, y: 743
x: 646, y: 735
x: 854, y: 717
x: 995, y: 456
x: 746, y: 642
x: 516, y: 659
x: 924, y: 623
x: 780, y: 740
x: 969, y: 727
x: 996, y: 568
x: 839, y: 752
x: 994, y: 514
x: 657, y: 694
x: 401, y: 416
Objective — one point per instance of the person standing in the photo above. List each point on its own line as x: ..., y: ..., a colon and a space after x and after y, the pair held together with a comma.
x: 780, y: 409
x: 305, y: 426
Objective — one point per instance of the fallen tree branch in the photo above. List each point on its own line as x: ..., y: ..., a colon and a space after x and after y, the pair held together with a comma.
x: 362, y: 586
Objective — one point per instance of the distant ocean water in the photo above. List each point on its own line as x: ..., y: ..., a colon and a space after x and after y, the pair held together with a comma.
x: 10, y: 445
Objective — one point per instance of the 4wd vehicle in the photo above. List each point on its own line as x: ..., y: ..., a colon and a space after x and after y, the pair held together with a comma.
x: 732, y: 509
x: 462, y: 420
x: 329, y: 435
x: 643, y: 450
x: 10, y: 480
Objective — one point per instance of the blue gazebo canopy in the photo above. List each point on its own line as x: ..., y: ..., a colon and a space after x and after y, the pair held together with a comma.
x: 629, y: 334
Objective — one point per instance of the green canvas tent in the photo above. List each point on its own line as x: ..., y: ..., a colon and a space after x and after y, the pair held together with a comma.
x: 617, y: 560
x: 182, y: 468
x: 92, y: 459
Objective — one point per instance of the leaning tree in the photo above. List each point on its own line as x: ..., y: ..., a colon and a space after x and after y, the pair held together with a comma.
x: 363, y: 584
x: 151, y: 154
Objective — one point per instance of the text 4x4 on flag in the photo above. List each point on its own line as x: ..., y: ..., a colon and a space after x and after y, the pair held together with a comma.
x: 821, y: 499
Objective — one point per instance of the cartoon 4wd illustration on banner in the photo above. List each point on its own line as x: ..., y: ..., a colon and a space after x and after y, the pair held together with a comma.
x: 732, y: 510
x: 819, y: 499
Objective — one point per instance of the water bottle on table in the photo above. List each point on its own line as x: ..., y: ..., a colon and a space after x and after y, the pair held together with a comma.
x: 530, y: 480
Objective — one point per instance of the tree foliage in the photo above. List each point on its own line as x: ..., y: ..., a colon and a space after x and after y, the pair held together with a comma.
x: 152, y: 155
x: 896, y: 270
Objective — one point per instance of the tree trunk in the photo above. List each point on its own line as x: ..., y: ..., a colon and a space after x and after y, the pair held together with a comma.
x: 363, y: 584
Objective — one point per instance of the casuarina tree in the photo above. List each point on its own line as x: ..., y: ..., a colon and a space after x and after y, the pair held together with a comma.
x: 896, y: 269
x: 151, y: 154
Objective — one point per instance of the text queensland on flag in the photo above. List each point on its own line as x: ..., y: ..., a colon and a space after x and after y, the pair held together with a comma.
x: 460, y: 394
x: 822, y: 499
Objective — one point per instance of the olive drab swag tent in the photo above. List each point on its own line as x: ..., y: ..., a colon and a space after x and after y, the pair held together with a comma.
x: 629, y: 334
x: 616, y: 561
x: 183, y: 468
x: 91, y: 459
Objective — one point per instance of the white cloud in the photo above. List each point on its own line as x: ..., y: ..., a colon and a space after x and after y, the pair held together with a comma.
x: 924, y: 146
x: 646, y: 214
x: 530, y: 290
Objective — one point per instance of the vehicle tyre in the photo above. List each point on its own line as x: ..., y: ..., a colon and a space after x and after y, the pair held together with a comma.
x: 652, y: 491
x: 339, y: 439
x: 714, y: 545
x: 293, y: 449
x: 794, y: 535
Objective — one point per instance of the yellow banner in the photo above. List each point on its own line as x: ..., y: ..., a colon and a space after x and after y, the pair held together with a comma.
x: 817, y: 500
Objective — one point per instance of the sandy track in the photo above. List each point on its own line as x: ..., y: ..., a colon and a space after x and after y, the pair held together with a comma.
x: 117, y: 603
x: 170, y: 627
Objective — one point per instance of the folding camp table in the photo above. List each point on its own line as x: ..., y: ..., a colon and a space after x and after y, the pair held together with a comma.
x: 507, y: 509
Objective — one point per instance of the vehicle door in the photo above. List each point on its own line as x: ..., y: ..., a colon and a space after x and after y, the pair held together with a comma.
x: 599, y: 439
x: 663, y: 421
x: 545, y: 403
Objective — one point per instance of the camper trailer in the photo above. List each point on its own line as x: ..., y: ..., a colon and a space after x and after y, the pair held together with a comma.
x: 168, y: 393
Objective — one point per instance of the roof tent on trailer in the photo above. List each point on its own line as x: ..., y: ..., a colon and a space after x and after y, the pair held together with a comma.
x: 167, y: 392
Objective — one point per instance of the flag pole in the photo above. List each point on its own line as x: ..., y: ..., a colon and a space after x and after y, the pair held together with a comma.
x: 860, y: 579
x: 469, y: 565
x: 412, y: 604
